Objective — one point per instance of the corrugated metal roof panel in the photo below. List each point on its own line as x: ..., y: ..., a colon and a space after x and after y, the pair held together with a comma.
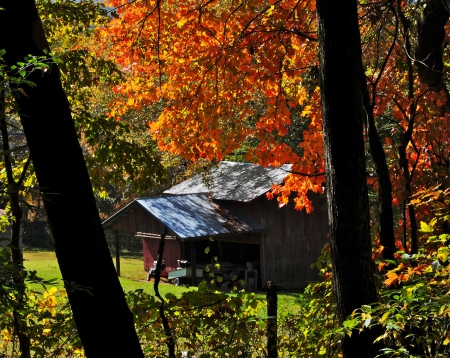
x: 195, y: 216
x: 235, y: 181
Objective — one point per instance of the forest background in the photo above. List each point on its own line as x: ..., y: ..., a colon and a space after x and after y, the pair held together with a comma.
x: 159, y: 89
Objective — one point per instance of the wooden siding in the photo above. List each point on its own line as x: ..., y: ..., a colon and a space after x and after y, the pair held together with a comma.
x: 172, y: 252
x: 139, y: 220
x: 293, y: 242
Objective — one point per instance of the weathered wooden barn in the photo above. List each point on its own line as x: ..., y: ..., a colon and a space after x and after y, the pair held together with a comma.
x: 235, y: 219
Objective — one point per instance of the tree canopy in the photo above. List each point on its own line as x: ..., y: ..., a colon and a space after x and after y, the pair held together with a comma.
x: 233, y: 71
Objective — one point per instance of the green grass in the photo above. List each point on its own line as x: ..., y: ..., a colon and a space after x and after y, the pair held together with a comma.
x: 132, y: 272
x: 133, y: 277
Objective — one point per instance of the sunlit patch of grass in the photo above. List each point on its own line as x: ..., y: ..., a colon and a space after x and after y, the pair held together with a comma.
x: 133, y: 277
x: 132, y: 273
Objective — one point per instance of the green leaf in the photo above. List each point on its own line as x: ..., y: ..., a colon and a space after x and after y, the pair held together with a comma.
x: 202, y: 287
x: 366, y: 308
x: 170, y: 296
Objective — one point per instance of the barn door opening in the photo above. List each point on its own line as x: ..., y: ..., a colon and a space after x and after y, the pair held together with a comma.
x: 233, y: 257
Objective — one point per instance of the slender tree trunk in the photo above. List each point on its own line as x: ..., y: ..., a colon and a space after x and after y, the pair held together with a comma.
x: 170, y: 340
x: 407, y: 135
x: 20, y: 323
x: 272, y: 313
x: 103, y: 320
x: 340, y: 75
x: 403, y: 161
x: 385, y: 213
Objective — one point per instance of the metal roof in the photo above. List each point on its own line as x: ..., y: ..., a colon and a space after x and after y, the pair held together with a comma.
x: 194, y: 216
x: 235, y: 181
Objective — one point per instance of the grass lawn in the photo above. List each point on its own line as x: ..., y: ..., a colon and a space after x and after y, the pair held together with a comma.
x: 133, y: 277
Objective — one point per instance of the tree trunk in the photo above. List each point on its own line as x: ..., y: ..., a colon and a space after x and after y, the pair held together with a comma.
x: 406, y: 137
x: 272, y: 313
x: 103, y: 320
x: 385, y: 213
x: 342, y: 114
x: 431, y: 35
x: 20, y: 323
x: 170, y: 340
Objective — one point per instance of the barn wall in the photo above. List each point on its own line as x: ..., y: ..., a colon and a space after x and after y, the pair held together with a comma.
x: 139, y: 220
x: 172, y: 252
x: 293, y: 242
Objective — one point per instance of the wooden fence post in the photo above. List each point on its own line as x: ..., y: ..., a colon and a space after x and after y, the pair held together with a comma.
x: 271, y: 332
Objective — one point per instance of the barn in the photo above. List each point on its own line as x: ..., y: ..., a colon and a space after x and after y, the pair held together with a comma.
x: 232, y: 217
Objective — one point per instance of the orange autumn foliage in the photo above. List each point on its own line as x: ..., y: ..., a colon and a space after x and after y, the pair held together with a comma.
x: 229, y: 71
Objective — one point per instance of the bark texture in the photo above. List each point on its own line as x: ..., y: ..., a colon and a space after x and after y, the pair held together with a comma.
x: 103, y: 320
x: 342, y: 114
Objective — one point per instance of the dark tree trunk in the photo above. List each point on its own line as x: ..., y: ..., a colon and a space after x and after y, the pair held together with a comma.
x: 103, y: 320
x: 20, y: 323
x: 342, y: 113
x: 403, y: 161
x: 170, y: 340
x: 406, y: 138
x: 431, y: 35
x: 272, y: 313
x: 430, y: 48
x: 385, y: 213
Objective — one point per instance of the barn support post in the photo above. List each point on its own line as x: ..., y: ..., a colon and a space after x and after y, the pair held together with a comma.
x: 271, y: 330
x: 193, y: 263
x: 116, y: 235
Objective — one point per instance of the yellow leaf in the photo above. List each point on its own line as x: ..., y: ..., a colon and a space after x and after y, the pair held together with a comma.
x: 181, y: 23
x: 424, y: 227
x: 28, y: 198
x: 447, y: 340
x: 384, y: 317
